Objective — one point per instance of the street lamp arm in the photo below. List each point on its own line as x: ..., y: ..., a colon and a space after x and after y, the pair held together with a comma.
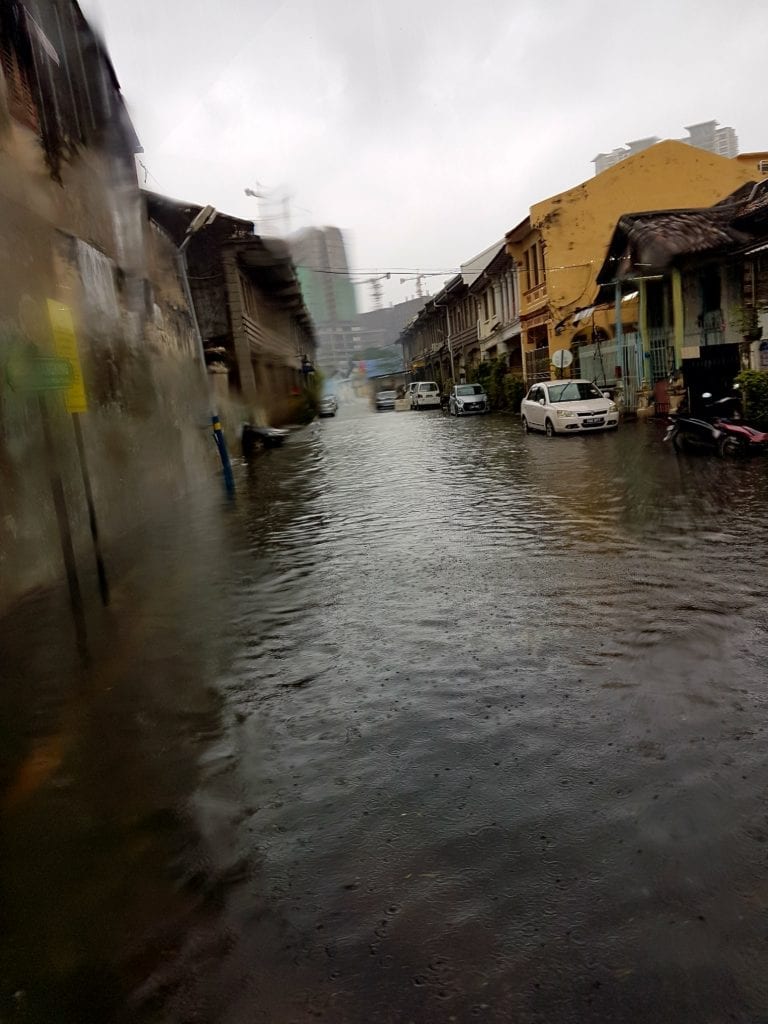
x: 203, y: 219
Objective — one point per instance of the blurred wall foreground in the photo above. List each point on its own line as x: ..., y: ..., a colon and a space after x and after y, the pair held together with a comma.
x: 74, y: 229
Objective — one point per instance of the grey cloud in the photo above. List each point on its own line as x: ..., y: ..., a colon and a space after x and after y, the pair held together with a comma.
x: 425, y: 128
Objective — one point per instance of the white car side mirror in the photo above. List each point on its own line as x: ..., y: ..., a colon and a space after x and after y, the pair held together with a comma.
x: 607, y: 394
x: 542, y: 402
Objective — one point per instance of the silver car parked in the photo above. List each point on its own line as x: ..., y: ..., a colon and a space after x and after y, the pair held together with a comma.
x: 468, y: 398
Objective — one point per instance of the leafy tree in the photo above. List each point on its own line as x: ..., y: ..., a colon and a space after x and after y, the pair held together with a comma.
x: 505, y: 389
x: 753, y: 385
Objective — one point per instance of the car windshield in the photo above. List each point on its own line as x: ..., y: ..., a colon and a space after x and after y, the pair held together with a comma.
x: 572, y: 391
x: 429, y: 387
x: 469, y: 389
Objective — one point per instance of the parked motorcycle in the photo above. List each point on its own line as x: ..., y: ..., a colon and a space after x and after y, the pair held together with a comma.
x: 720, y: 429
x: 255, y: 438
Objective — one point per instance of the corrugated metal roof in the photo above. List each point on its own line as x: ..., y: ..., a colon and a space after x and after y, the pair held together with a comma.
x: 654, y: 241
x: 651, y: 241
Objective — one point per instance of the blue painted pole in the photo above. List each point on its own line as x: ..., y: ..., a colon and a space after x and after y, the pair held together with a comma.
x: 226, y: 465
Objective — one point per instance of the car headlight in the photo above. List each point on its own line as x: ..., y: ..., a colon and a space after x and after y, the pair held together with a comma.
x: 567, y: 413
x: 611, y: 407
x: 459, y: 401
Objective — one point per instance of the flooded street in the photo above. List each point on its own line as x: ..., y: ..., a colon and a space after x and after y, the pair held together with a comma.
x: 437, y: 723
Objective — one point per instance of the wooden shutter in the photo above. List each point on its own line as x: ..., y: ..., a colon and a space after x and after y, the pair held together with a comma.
x: 21, y: 103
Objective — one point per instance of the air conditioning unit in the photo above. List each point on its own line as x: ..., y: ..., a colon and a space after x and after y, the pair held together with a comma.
x: 762, y: 166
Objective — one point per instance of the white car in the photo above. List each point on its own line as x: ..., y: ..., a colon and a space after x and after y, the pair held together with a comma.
x: 328, y: 406
x: 567, y: 407
x: 468, y: 398
x: 425, y: 395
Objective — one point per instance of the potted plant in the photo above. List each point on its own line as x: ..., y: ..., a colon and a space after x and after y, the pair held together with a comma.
x: 748, y: 322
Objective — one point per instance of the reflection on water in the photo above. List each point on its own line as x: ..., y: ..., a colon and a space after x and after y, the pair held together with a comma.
x: 458, y: 724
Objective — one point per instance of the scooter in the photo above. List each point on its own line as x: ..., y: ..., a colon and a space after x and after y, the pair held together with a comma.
x: 722, y: 431
x: 740, y: 438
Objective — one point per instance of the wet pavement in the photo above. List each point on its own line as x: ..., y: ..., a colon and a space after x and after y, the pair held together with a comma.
x: 437, y: 723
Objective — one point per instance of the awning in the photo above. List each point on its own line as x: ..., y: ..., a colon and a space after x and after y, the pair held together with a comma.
x: 757, y: 248
x: 582, y: 314
x: 575, y: 318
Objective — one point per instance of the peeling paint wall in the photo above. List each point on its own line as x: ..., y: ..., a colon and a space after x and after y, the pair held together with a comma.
x: 86, y: 242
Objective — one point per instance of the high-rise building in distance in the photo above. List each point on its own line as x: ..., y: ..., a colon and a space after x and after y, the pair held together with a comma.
x: 329, y: 294
x: 705, y: 135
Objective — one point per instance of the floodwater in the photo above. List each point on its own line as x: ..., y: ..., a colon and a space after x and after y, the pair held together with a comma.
x: 438, y: 723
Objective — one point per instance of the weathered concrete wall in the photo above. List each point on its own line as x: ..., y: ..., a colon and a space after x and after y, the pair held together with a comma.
x: 86, y: 243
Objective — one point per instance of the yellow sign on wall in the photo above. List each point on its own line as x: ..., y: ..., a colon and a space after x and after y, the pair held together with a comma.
x: 65, y: 343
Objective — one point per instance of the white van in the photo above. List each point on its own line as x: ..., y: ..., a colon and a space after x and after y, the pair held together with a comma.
x: 425, y: 395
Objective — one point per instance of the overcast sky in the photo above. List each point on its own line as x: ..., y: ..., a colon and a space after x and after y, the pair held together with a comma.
x: 425, y: 130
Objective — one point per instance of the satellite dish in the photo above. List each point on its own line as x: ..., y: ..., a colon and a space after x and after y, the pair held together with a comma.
x: 562, y: 358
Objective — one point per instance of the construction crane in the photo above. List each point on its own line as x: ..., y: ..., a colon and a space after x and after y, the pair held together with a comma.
x: 419, y: 286
x: 376, y: 288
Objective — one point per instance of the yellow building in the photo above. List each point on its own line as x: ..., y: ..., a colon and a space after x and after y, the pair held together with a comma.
x: 559, y: 248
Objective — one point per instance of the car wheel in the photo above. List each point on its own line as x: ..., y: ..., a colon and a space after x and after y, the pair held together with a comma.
x: 729, y: 446
x: 524, y: 425
x: 549, y: 428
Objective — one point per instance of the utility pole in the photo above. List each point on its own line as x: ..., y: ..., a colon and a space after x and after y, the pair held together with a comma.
x: 450, y: 343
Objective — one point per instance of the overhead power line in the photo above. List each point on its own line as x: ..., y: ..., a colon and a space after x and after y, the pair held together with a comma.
x: 426, y: 273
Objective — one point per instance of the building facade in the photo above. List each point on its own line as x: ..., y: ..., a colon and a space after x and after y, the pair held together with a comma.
x: 495, y: 289
x: 257, y: 335
x: 560, y: 246
x: 702, y: 281
x: 380, y: 328
x: 473, y: 318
